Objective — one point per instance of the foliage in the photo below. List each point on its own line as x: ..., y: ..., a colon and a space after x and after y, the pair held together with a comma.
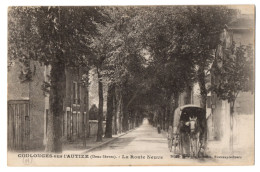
x: 172, y: 67
x: 40, y: 33
x: 93, y: 112
x: 236, y: 73
x: 204, y: 27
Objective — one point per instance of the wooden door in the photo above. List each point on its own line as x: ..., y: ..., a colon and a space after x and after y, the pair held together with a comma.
x: 18, y: 125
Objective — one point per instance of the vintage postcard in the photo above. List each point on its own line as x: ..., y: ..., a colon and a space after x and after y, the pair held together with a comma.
x: 131, y: 85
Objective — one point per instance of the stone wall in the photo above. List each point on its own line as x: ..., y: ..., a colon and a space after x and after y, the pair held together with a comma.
x: 93, y: 127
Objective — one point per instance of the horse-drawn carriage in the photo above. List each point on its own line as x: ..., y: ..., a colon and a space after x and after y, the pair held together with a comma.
x: 188, y: 134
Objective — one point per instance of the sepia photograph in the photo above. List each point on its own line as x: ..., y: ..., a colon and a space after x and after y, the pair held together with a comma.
x: 161, y: 85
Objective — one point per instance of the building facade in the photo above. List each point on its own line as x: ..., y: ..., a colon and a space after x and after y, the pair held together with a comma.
x: 75, y: 105
x: 28, y: 107
x: 25, y: 107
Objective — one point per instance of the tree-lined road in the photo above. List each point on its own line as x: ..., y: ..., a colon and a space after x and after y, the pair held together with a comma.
x: 141, y: 146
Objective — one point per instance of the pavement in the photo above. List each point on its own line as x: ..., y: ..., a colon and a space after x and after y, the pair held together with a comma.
x: 91, y: 144
x: 141, y: 146
x: 142, y: 140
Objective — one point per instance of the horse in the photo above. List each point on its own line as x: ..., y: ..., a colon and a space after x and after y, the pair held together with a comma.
x: 190, y: 138
x: 195, y: 136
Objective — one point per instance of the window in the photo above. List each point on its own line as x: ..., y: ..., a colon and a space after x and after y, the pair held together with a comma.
x: 64, y: 124
x: 78, y: 124
x: 85, y: 99
x: 74, y: 93
x: 69, y: 125
x: 47, y: 116
x: 78, y: 93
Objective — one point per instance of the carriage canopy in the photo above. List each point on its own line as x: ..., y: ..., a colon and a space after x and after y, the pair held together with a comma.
x: 183, y: 113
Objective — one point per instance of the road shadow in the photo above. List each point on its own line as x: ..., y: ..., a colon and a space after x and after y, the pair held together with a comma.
x: 118, y: 143
x: 150, y: 140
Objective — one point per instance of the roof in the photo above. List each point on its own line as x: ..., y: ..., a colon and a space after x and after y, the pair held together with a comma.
x: 188, y: 105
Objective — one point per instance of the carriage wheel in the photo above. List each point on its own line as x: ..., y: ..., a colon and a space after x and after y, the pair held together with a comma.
x: 176, y: 145
x: 170, y: 144
x: 201, y: 146
x: 181, y: 144
x: 194, y: 147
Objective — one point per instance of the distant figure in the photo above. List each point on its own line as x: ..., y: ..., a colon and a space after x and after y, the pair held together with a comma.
x: 159, y: 128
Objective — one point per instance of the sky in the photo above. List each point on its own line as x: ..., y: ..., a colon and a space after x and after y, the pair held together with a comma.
x: 245, y: 9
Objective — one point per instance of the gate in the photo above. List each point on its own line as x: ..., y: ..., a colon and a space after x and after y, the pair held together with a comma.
x: 18, y: 125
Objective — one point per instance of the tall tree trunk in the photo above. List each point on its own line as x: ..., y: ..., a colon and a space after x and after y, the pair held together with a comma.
x: 110, y: 103
x: 81, y: 103
x: 100, y: 109
x: 133, y: 119
x: 202, y: 85
x: 54, y: 130
x: 167, y: 111
x: 136, y: 123
x: 86, y: 115
x: 119, y: 102
x: 174, y: 103
x: 231, y: 140
x: 163, y: 116
x: 125, y: 117
x: 114, y: 112
x: 203, y: 93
